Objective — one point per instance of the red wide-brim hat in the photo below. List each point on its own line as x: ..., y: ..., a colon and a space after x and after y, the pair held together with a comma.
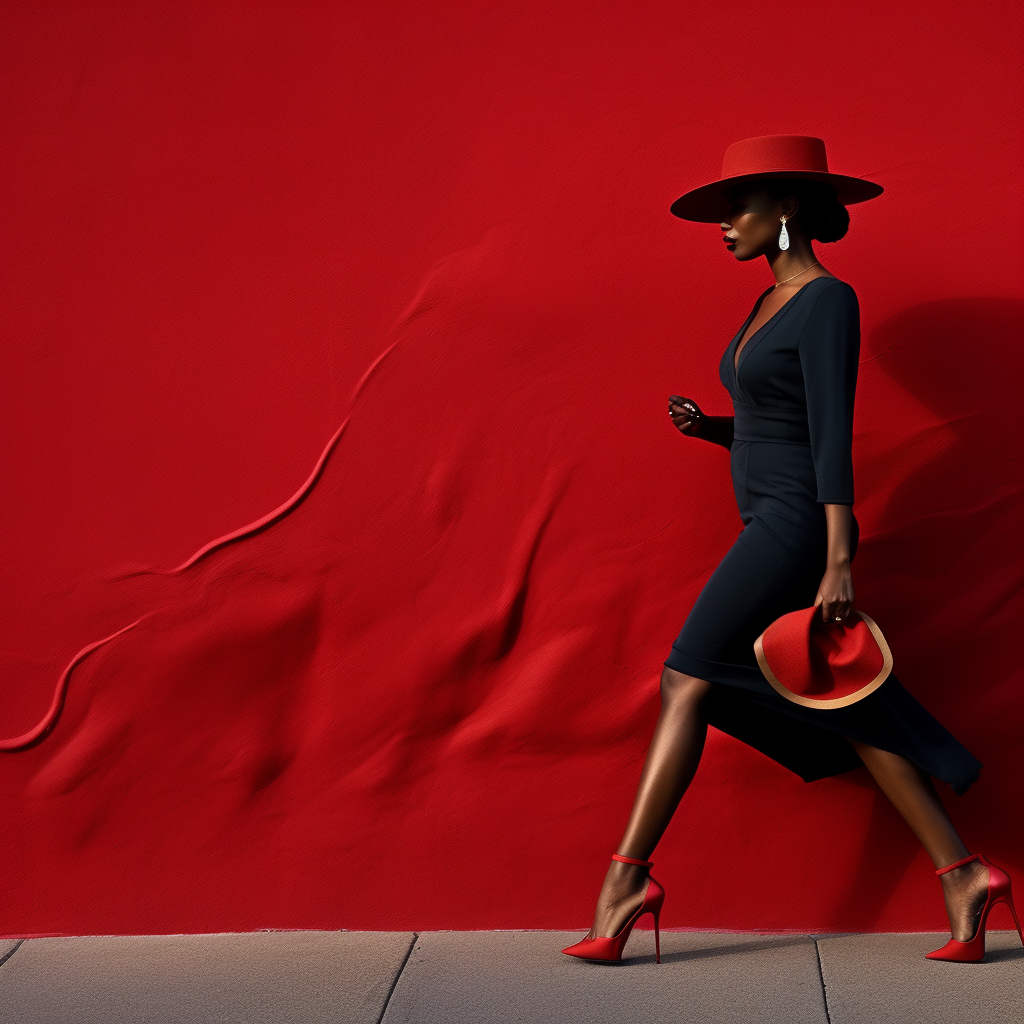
x: 770, y: 156
x: 823, y: 664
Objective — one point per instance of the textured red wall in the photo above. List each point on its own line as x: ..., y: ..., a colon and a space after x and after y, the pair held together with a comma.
x: 431, y: 244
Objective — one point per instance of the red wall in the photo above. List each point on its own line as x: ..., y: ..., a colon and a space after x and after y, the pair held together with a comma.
x: 432, y: 243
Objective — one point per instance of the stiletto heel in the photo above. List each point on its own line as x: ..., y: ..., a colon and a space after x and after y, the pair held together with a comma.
x: 973, y: 949
x: 609, y: 947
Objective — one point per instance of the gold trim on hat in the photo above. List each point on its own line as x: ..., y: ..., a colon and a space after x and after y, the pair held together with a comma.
x: 837, y: 702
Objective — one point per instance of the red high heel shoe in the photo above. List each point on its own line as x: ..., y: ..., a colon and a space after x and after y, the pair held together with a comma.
x: 973, y: 949
x: 609, y: 947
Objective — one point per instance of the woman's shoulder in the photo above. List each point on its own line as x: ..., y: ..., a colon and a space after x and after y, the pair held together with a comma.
x: 833, y: 291
x: 830, y: 280
x: 832, y: 312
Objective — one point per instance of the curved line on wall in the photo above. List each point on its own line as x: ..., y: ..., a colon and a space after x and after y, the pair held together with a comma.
x: 281, y: 510
x: 25, y: 739
x: 416, y: 308
x: 50, y: 718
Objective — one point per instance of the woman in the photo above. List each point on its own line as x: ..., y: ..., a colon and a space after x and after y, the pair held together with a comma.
x: 791, y: 372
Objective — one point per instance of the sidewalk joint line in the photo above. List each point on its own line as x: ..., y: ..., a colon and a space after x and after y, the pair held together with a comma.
x: 824, y: 987
x: 14, y: 949
x: 398, y: 974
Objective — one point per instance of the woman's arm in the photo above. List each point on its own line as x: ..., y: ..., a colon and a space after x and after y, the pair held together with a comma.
x: 717, y: 430
x: 829, y: 355
x: 829, y: 349
x: 689, y: 418
x: 835, y: 592
x: 840, y: 525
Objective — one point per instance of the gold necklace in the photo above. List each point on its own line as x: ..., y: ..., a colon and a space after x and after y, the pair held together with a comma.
x: 804, y: 271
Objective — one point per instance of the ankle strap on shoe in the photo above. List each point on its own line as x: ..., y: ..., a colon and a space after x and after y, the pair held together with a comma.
x: 949, y: 867
x: 633, y: 860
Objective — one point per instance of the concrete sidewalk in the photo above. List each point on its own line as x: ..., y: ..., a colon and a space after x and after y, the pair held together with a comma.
x: 490, y: 976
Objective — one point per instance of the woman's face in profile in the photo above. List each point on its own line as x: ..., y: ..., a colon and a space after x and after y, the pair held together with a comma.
x: 752, y: 223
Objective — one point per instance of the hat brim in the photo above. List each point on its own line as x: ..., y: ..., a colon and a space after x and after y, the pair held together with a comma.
x: 830, y: 702
x: 706, y: 204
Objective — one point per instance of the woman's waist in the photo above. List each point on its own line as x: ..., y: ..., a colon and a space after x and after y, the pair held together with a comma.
x: 770, y: 423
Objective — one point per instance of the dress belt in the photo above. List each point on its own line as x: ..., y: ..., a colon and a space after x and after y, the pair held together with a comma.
x: 770, y: 423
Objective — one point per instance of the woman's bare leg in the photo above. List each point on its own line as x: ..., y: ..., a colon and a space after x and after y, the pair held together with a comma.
x: 671, y: 763
x: 913, y: 794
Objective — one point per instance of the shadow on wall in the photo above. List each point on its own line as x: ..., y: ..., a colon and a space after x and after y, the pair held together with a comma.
x: 941, y: 559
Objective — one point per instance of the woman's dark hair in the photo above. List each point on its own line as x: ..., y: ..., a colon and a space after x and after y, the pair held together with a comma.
x: 821, y: 215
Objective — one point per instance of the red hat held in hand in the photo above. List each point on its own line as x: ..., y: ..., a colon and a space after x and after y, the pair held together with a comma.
x: 823, y: 664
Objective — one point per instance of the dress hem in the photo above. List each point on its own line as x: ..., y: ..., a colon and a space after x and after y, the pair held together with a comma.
x: 814, y: 743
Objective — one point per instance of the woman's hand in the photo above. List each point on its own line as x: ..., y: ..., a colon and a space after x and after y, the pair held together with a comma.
x: 835, y: 593
x: 686, y: 415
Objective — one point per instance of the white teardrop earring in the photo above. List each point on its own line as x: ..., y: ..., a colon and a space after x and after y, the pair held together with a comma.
x: 783, y: 235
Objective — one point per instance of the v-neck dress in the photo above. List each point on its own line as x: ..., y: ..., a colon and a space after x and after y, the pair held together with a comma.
x: 791, y: 454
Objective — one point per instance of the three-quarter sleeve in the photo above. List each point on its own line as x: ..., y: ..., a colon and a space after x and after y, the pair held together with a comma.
x: 829, y: 349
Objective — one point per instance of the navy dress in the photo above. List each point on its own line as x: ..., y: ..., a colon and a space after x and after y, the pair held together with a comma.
x: 791, y: 454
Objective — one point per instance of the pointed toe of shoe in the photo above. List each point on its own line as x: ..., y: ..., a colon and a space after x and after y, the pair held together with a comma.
x: 959, y: 952
x: 590, y: 949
